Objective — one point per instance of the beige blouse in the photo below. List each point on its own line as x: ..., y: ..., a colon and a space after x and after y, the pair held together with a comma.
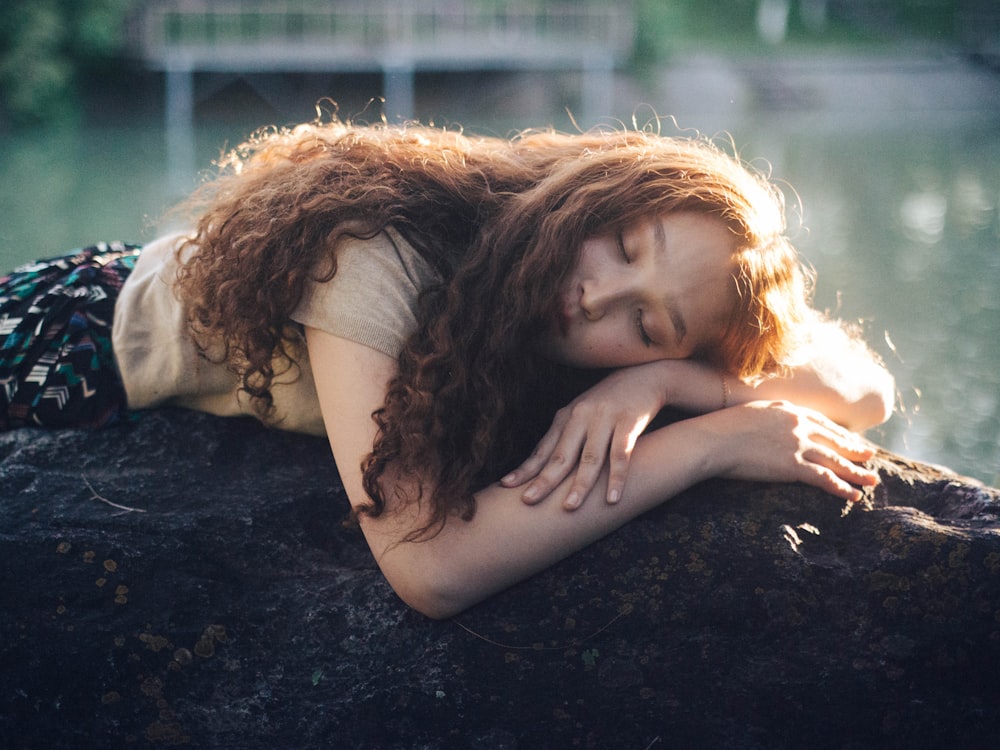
x: 371, y: 300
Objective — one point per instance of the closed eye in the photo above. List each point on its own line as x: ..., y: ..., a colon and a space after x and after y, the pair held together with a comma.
x: 619, y: 240
x: 643, y: 335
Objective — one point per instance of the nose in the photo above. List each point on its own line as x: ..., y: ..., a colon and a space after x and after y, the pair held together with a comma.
x: 598, y: 297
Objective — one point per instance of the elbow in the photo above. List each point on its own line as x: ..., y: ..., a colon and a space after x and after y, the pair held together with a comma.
x: 884, y: 399
x: 430, y: 592
x: 876, y: 406
x: 432, y: 603
x: 887, y: 404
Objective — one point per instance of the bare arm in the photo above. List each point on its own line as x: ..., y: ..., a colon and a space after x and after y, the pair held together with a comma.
x: 836, y: 376
x: 507, y: 541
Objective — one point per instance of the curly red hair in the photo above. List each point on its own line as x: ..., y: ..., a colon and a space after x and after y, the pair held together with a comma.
x: 502, y: 220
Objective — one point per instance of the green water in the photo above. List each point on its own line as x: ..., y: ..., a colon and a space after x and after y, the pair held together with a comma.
x: 902, y: 226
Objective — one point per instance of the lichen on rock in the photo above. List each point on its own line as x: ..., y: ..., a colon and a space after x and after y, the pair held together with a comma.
x: 238, y: 611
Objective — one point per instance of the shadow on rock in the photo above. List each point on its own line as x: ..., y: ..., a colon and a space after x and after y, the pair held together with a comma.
x: 188, y: 580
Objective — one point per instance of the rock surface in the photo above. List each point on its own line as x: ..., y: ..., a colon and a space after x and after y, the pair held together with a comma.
x: 186, y: 580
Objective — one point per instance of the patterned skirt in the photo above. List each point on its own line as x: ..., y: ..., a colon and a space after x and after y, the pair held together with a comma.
x: 57, y: 368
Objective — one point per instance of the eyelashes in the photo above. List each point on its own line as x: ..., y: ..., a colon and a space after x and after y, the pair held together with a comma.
x: 646, y: 340
x: 637, y: 319
x: 640, y: 328
x: 620, y: 241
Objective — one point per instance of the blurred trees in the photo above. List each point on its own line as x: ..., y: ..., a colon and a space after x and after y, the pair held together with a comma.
x: 668, y: 26
x: 47, y: 47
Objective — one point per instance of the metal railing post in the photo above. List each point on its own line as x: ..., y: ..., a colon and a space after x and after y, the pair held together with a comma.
x: 398, y: 90
x: 179, y: 122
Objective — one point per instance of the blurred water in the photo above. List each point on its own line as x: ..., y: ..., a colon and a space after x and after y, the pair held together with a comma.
x: 903, y: 230
x: 902, y: 225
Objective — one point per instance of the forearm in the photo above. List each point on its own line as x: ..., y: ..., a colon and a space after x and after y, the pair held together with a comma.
x: 842, y: 381
x: 507, y: 541
x: 835, y: 374
x: 858, y: 398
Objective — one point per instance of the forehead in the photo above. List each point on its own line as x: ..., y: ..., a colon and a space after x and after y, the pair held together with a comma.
x: 696, y: 254
x: 690, y: 248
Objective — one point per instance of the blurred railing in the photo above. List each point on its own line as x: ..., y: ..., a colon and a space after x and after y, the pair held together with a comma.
x: 394, y: 37
x: 443, y: 34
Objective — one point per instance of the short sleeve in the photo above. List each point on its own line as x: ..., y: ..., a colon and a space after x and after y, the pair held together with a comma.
x: 372, y: 298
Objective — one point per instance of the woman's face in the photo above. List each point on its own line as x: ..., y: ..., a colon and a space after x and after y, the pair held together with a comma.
x: 662, y: 289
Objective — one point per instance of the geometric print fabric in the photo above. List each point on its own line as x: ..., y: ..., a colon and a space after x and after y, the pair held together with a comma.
x: 57, y: 368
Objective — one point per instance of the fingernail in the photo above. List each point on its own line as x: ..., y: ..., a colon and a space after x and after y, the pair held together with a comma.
x: 509, y: 479
x: 614, y: 496
x: 572, y: 500
x: 531, y: 493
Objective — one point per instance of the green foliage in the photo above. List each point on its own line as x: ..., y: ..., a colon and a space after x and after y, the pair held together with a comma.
x: 48, y: 46
x: 45, y: 48
x: 666, y: 27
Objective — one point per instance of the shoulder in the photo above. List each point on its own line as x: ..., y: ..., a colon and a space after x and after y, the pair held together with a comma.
x: 372, y: 298
x: 388, y: 252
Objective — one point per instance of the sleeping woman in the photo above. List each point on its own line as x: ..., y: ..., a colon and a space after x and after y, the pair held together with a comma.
x: 484, y: 329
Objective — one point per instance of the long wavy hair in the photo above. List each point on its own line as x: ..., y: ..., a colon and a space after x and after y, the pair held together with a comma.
x: 502, y: 220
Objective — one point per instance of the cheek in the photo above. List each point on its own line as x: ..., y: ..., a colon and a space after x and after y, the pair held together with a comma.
x: 593, y: 345
x: 601, y: 348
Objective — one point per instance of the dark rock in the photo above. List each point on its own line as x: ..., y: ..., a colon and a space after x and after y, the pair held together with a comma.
x: 186, y: 580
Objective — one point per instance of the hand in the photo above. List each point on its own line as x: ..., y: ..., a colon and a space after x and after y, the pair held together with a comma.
x: 780, y: 442
x: 601, y: 425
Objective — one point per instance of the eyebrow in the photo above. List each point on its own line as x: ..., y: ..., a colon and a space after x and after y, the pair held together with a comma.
x: 660, y: 245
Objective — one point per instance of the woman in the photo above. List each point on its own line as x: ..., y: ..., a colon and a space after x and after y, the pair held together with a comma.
x: 426, y: 300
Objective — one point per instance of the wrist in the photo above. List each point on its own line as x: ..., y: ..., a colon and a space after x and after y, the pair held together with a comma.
x: 726, y: 393
x: 714, y: 433
x: 697, y: 387
x: 668, y: 382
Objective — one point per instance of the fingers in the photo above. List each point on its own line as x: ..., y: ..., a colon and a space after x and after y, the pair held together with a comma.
x: 581, y: 440
x: 835, y: 458
x: 619, y: 458
x: 532, y: 465
x: 847, y: 443
x: 588, y: 462
x: 825, y: 454
x: 563, y: 448
x: 618, y: 449
x: 585, y: 448
x: 587, y: 472
x: 837, y: 475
